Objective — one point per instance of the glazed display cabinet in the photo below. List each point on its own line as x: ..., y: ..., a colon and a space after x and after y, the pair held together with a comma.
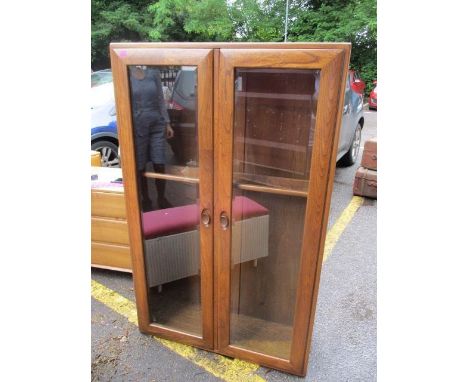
x: 228, y: 156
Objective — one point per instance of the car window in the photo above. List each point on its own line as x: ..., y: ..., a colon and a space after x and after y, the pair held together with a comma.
x: 185, y: 85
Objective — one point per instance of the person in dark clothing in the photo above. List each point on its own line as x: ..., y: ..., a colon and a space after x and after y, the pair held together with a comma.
x: 151, y: 128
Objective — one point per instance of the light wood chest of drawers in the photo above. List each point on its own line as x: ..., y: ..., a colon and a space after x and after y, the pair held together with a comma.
x: 109, y: 232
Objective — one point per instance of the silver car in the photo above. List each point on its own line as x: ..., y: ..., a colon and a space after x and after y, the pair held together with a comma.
x: 351, y: 125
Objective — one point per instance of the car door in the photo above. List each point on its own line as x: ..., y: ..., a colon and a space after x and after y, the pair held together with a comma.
x: 346, y: 128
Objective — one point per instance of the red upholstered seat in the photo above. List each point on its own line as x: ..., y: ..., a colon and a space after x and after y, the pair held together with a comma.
x: 244, y: 208
x: 186, y: 218
x: 170, y: 220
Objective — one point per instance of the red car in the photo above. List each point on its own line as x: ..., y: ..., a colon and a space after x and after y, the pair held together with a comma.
x: 373, y: 97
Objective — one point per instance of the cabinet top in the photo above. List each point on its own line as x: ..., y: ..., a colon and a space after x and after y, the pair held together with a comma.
x: 106, y: 179
x: 233, y: 45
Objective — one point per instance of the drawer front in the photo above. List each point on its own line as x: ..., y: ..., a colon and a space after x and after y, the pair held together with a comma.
x: 109, y: 230
x: 111, y: 255
x: 108, y: 204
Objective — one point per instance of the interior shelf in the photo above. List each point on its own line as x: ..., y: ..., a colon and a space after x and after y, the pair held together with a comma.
x: 184, y: 174
x: 272, y: 184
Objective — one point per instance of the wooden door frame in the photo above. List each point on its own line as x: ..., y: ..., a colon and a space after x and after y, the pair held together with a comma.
x: 332, y: 61
x: 123, y: 55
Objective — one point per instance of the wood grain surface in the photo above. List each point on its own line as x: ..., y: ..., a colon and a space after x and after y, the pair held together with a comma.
x: 302, y: 200
x: 108, y: 204
x: 121, y: 58
x: 111, y: 256
x: 331, y: 63
x: 109, y: 230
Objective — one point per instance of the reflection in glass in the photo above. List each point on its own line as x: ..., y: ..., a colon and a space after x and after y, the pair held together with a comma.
x: 164, y: 117
x: 274, y: 123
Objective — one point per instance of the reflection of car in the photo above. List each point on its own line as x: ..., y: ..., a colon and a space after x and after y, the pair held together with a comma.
x: 182, y: 111
x: 373, y: 97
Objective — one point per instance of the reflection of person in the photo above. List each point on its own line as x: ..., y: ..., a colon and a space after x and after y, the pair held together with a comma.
x: 151, y: 128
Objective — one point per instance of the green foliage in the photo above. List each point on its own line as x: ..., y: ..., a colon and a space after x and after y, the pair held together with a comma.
x: 168, y: 18
x: 210, y: 20
x: 352, y: 21
x: 258, y: 21
x: 116, y: 20
x: 190, y: 20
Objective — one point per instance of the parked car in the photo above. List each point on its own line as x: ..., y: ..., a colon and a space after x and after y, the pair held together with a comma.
x: 182, y: 110
x: 373, y: 97
x: 104, y: 136
x: 101, y: 77
x: 352, y: 123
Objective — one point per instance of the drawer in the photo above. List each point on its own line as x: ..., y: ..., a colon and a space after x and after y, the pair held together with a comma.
x: 109, y: 230
x: 108, y: 204
x: 111, y: 256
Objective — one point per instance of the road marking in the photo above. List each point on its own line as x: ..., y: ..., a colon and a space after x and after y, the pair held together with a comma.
x: 335, y: 232
x: 230, y: 370
x: 227, y: 369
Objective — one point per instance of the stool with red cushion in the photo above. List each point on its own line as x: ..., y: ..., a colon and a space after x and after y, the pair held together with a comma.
x: 172, y: 239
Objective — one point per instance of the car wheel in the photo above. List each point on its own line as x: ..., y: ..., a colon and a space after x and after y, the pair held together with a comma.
x: 352, y: 154
x: 109, y: 153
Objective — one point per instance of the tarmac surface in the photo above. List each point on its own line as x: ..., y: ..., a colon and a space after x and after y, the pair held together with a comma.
x: 344, y: 340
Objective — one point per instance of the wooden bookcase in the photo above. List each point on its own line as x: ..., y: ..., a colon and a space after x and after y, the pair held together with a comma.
x: 227, y: 208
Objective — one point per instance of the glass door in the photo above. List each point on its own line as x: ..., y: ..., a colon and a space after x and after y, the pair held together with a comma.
x: 164, y: 105
x: 276, y: 134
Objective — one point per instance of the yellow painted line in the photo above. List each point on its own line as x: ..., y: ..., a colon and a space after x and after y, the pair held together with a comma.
x: 227, y: 369
x: 335, y: 232
x: 230, y: 370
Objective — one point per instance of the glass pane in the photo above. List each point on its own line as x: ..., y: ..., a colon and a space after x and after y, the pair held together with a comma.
x: 164, y: 105
x: 274, y: 123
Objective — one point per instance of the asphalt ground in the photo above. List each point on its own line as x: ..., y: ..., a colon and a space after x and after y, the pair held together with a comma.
x: 344, y: 339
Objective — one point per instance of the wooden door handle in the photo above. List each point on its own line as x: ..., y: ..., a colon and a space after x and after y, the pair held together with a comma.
x: 224, y: 220
x: 206, y: 217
